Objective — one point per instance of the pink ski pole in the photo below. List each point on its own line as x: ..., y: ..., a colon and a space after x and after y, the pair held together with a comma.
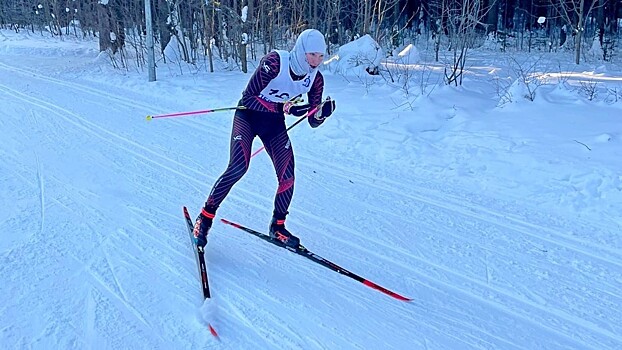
x: 172, y: 115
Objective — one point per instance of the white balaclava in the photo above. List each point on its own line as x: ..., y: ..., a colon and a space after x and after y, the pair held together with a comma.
x: 310, y: 40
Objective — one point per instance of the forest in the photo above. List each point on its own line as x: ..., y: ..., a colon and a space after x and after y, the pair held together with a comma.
x: 233, y: 29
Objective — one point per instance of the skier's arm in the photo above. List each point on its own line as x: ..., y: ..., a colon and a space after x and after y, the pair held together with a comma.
x: 267, y: 70
x: 315, y: 99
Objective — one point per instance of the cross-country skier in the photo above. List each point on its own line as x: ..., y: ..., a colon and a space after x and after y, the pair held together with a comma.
x: 279, y: 78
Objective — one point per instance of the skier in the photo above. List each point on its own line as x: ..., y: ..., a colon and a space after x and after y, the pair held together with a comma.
x: 280, y: 77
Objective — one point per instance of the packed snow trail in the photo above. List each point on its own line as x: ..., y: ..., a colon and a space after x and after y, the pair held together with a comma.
x: 94, y: 253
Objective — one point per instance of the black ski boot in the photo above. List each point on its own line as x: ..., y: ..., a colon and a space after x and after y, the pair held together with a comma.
x: 201, y: 227
x: 278, y: 232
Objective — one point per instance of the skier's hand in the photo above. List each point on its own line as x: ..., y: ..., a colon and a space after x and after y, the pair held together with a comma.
x: 327, y: 109
x: 298, y: 110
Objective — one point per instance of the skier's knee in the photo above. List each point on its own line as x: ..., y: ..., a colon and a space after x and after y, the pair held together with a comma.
x: 285, y: 184
x: 237, y: 171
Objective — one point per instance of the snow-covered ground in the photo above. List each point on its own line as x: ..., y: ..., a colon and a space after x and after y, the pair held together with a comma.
x: 498, y: 215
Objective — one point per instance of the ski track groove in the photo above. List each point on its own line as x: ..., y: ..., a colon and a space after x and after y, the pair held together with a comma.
x: 121, y: 299
x: 442, y: 320
x: 41, y: 195
x: 487, y: 247
x: 454, y: 206
x: 78, y: 87
x: 90, y: 318
x: 243, y: 295
x: 40, y: 184
x: 116, y: 98
x: 278, y: 331
x: 402, y: 311
x: 115, y: 280
x: 57, y: 110
x: 484, y: 286
x: 332, y: 169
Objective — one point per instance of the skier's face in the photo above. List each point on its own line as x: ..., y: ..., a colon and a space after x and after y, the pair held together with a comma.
x: 314, y: 59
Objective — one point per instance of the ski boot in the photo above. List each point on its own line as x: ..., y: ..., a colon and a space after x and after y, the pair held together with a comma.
x: 278, y: 232
x: 201, y: 227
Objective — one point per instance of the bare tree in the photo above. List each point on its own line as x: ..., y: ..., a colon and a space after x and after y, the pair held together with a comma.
x: 381, y: 9
x: 575, y: 13
x: 459, y: 20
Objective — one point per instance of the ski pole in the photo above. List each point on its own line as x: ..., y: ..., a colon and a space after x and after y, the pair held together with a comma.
x: 171, y: 115
x: 296, y: 123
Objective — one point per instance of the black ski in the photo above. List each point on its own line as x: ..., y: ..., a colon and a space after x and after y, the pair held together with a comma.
x: 199, y: 253
x: 302, y: 251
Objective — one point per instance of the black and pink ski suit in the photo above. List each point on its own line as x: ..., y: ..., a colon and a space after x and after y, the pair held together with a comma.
x: 264, y: 117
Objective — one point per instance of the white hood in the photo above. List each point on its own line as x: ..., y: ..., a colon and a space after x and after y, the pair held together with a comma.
x: 310, y: 40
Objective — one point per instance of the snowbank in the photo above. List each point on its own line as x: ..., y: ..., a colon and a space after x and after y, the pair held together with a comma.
x: 354, y: 58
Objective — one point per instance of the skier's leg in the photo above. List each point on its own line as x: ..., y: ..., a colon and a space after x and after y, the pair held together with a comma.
x: 239, y: 157
x: 279, y: 148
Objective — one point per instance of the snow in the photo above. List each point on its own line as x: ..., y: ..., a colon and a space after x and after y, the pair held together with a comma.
x: 408, y: 55
x: 354, y: 58
x: 501, y: 220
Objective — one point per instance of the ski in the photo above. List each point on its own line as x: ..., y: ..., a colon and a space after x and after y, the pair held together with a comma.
x: 302, y: 251
x: 199, y: 254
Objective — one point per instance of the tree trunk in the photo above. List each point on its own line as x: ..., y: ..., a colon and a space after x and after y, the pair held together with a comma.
x: 103, y: 24
x: 367, y: 17
x: 579, y: 35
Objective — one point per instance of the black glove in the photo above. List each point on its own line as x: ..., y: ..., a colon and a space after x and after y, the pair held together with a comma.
x: 299, y: 110
x: 326, y: 111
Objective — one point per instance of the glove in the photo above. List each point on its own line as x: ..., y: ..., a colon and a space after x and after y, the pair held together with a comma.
x: 326, y: 111
x: 297, y: 111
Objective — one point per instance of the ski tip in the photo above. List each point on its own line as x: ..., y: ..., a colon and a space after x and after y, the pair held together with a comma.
x: 401, y: 298
x: 213, y: 331
x: 386, y: 291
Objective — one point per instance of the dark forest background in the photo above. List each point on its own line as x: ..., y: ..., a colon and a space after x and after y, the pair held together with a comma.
x: 240, y: 27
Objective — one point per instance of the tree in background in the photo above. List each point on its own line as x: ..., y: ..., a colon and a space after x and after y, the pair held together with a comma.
x: 575, y: 14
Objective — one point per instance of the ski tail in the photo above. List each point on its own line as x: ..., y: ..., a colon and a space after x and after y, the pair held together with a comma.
x: 199, y: 254
x: 212, y: 330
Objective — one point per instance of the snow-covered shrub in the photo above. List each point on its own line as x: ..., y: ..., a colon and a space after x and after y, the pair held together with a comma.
x: 528, y: 80
x: 408, y: 55
x: 596, y: 51
x: 361, y: 56
x: 589, y: 89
